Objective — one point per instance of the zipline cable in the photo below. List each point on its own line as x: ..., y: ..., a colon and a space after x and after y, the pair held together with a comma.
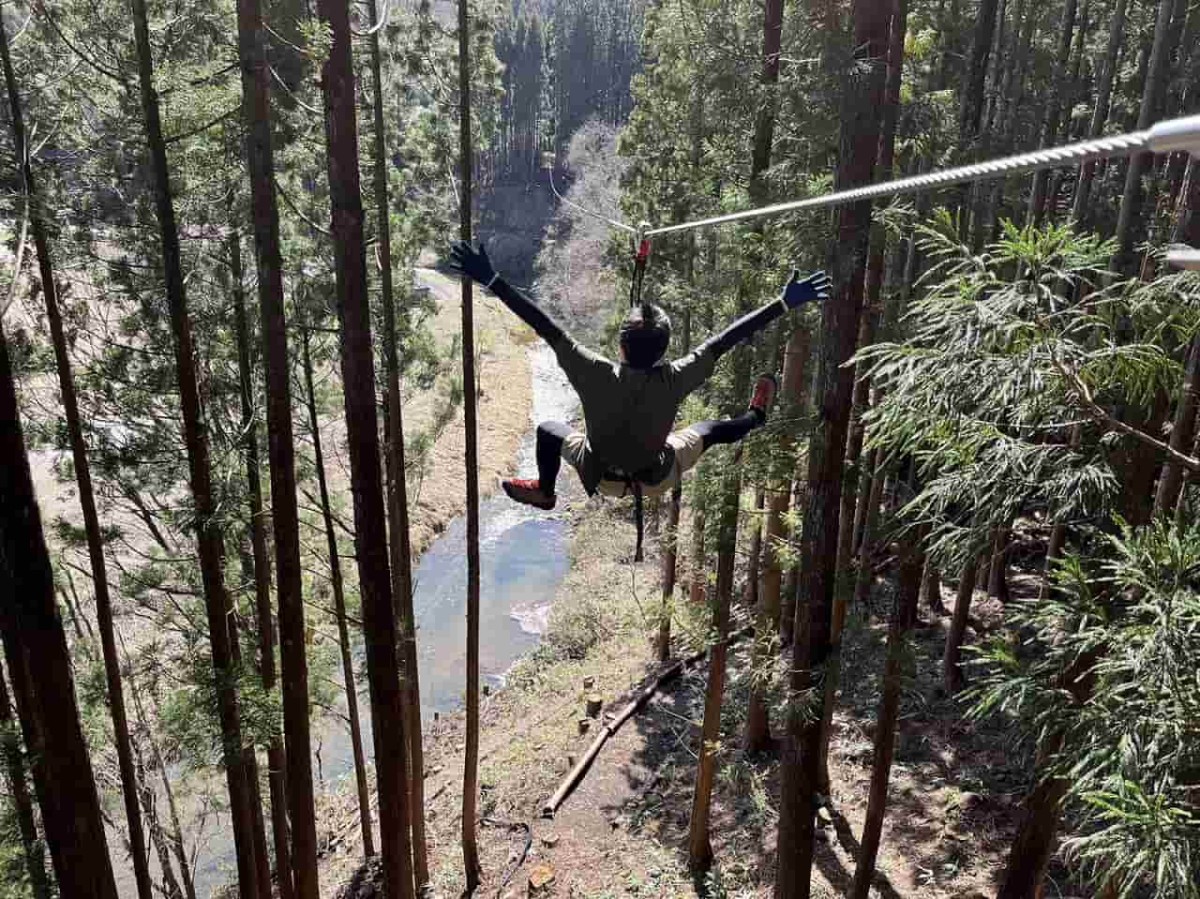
x: 1165, y: 137
x: 1172, y: 135
x: 613, y: 222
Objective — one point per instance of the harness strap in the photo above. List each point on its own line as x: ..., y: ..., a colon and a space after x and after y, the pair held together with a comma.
x: 640, y: 257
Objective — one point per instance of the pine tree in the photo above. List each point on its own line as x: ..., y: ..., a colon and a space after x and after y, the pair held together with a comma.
x: 210, y: 543
x: 83, y: 478
x: 358, y: 379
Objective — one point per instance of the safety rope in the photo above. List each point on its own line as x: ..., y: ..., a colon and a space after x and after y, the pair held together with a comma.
x: 641, y: 255
x: 1171, y: 135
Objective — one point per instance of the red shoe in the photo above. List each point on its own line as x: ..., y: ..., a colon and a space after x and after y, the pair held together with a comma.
x: 764, y: 394
x: 528, y: 492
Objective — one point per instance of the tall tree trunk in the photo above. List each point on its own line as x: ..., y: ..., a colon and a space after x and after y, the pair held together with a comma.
x: 931, y: 588
x: 698, y: 577
x: 258, y: 834
x: 39, y: 664
x: 700, y: 854
x: 276, y: 758
x: 1104, y: 85
x: 83, y: 479
x: 358, y: 379
x: 1009, y: 105
x: 1049, y: 131
x: 339, y: 611
x: 997, y: 583
x: 256, y: 106
x: 399, y: 540
x: 670, y: 538
x: 158, y: 836
x: 470, y: 795
x: 795, y: 366
x: 860, y: 393
x: 1183, y: 430
x: 210, y: 543
x: 951, y: 672
x: 156, y: 757
x: 904, y: 608
x: 1152, y: 91
x: 971, y: 110
x: 1033, y: 845
x: 18, y: 788
x: 862, y: 100
x: 866, y: 556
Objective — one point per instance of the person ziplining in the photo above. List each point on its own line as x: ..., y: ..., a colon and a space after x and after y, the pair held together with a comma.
x: 629, y: 446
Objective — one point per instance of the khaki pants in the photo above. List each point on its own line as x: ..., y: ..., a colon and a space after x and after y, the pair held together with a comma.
x: 687, y: 444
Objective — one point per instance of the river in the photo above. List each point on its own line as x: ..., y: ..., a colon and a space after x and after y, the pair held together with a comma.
x: 524, y: 556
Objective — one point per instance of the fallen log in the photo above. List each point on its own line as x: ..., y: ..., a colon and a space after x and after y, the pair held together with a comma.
x: 607, y: 729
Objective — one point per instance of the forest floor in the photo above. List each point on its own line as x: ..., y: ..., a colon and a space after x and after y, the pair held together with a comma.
x: 955, y: 789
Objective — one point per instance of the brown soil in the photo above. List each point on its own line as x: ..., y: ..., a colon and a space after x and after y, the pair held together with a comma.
x: 954, y: 792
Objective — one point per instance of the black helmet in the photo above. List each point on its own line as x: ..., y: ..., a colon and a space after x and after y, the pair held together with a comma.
x: 645, y: 335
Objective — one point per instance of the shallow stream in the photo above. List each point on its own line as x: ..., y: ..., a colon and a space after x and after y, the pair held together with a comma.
x: 524, y: 556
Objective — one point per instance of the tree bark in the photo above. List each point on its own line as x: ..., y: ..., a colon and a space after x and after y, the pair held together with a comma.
x: 1034, y: 844
x: 908, y: 589
x: 399, y: 538
x: 700, y: 854
x: 276, y: 757
x: 210, y: 543
x: 83, y: 479
x: 860, y: 393
x: 859, y: 144
x: 39, y: 664
x: 18, y: 788
x: 997, y: 584
x: 470, y: 795
x: 176, y: 832
x: 866, y: 556
x: 1152, y: 89
x: 795, y: 364
x: 1066, y: 28
x: 670, y: 552
x: 1104, y: 85
x: 698, y: 578
x: 952, y: 674
x: 256, y: 106
x: 971, y: 109
x: 931, y: 589
x: 1184, y: 428
x: 358, y: 379
x: 339, y: 611
x: 258, y: 832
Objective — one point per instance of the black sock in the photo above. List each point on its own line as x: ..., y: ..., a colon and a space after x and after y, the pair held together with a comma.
x: 729, y: 430
x: 550, y: 437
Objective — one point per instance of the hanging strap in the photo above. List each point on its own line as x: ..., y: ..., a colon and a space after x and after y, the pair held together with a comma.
x: 641, y: 256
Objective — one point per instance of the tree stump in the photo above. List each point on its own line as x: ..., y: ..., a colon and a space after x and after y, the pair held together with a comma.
x: 595, y: 702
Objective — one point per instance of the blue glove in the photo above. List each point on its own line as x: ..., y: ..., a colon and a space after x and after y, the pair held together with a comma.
x: 813, y: 288
x: 468, y: 262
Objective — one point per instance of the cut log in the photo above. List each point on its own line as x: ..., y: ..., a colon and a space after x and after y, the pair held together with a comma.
x: 608, y: 728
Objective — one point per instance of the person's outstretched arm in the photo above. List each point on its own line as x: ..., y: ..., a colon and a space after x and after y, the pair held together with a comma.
x: 695, y: 368
x: 576, y: 360
x: 467, y: 261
